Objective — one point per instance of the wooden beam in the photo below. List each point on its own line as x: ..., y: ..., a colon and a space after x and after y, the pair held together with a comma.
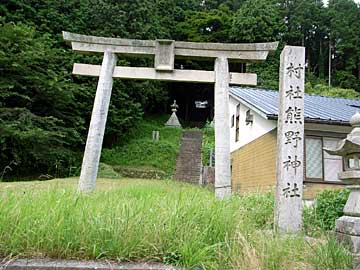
x: 141, y: 73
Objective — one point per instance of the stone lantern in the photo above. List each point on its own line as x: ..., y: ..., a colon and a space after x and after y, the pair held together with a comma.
x: 173, y: 120
x: 348, y: 226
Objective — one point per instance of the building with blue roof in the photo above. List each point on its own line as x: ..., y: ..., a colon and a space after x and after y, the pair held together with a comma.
x: 253, y: 119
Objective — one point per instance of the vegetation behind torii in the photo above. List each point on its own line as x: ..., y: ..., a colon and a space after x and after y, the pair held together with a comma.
x: 44, y: 110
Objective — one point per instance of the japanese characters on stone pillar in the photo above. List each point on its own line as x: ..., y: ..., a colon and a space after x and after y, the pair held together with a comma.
x: 290, y: 141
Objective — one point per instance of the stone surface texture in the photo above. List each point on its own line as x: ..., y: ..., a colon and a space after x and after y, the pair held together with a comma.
x: 351, y: 144
x: 222, y: 129
x: 164, y: 55
x: 177, y: 75
x: 50, y: 264
x: 348, y: 225
x: 355, y: 120
x: 351, y: 241
x: 173, y: 121
x: 155, y: 135
x: 290, y: 141
x: 352, y: 206
x: 356, y: 262
x: 236, y: 51
x: 189, y: 163
x: 349, y: 177
x: 96, y: 131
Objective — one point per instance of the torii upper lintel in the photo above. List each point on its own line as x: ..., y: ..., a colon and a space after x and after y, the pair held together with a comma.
x: 240, y: 52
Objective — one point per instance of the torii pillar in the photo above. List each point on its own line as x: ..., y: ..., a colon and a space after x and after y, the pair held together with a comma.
x: 164, y: 52
x: 222, y: 129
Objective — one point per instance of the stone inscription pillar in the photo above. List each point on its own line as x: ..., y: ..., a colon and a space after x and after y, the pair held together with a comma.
x: 222, y: 129
x: 290, y: 141
x: 90, y: 164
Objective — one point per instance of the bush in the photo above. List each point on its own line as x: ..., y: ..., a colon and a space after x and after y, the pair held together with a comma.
x: 328, y: 207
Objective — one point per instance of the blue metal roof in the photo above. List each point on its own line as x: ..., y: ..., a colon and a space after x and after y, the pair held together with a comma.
x: 318, y: 109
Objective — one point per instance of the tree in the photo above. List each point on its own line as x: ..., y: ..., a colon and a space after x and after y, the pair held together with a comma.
x: 37, y: 118
x: 307, y: 25
x: 257, y: 21
x: 345, y: 37
x: 206, y: 26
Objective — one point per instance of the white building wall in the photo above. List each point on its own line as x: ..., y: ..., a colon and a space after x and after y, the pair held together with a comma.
x: 250, y: 132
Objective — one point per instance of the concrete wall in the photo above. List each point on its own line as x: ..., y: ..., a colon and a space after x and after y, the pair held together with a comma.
x: 247, y: 133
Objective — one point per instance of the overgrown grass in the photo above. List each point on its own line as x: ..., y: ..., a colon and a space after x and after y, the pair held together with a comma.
x: 141, y: 150
x: 148, y: 220
x: 208, y: 144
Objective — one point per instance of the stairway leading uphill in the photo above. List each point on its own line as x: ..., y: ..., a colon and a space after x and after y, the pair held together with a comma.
x: 188, y: 163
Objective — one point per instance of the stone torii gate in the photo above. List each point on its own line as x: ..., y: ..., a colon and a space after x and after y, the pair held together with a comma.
x: 164, y: 52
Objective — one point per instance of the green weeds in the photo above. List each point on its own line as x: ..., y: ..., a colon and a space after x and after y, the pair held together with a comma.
x: 166, y: 221
x: 327, y: 208
x: 142, y: 151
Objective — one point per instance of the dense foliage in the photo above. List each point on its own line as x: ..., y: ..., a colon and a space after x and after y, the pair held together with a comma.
x: 44, y: 110
x: 328, y: 207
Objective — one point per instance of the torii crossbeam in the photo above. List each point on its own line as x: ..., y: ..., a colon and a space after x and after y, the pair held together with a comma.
x: 164, y: 52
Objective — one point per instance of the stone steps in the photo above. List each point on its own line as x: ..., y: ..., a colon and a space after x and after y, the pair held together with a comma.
x: 189, y: 163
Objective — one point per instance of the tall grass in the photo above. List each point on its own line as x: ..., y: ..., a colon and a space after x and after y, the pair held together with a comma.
x: 208, y: 144
x: 151, y: 220
x: 141, y: 150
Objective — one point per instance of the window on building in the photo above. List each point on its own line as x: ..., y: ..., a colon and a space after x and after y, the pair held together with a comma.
x: 314, y: 158
x: 237, y: 128
x: 232, y: 120
x: 320, y: 166
x: 332, y: 164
